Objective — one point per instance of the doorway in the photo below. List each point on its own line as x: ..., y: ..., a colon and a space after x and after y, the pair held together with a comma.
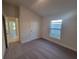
x: 12, y: 31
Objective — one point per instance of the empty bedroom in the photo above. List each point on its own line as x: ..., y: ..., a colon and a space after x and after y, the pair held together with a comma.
x: 39, y: 29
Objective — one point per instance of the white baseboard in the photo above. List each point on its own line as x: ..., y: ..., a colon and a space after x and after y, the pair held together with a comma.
x: 26, y: 41
x: 62, y: 45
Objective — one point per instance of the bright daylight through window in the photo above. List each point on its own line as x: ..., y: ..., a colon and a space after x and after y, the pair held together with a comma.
x: 55, y: 29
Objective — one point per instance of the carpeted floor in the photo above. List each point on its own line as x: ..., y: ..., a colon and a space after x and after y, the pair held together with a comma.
x: 39, y: 49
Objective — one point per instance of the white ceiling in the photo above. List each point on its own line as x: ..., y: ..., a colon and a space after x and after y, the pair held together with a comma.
x: 48, y: 8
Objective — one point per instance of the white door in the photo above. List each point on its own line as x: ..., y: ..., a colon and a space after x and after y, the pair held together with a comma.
x: 34, y: 29
x: 29, y: 30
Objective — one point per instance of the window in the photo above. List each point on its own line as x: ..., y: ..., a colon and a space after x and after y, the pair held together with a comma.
x: 55, y: 29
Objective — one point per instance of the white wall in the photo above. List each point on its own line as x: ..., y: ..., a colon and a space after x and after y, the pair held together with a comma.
x: 3, y: 45
x: 29, y: 25
x: 68, y: 30
x: 10, y: 10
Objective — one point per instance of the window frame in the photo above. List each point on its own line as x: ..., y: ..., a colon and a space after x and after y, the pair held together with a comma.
x: 50, y: 29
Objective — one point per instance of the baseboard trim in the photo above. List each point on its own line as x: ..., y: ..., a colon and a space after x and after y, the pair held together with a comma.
x: 65, y: 46
x: 29, y: 40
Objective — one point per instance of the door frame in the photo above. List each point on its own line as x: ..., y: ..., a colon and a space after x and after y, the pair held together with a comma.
x: 4, y: 31
x: 14, y: 19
